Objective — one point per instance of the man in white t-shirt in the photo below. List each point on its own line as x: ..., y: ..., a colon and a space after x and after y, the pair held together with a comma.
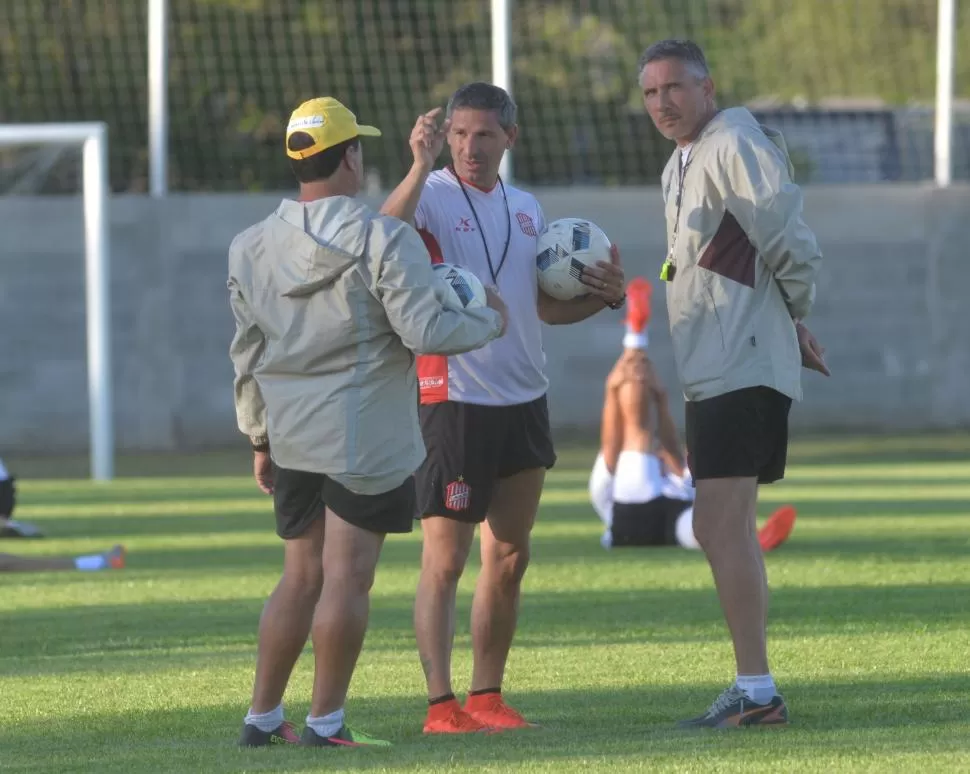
x: 484, y: 416
x: 640, y: 486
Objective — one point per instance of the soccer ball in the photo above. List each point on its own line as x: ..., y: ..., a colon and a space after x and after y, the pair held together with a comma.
x: 458, y: 288
x: 566, y: 247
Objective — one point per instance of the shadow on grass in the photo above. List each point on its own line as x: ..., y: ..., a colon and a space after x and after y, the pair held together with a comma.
x: 82, y: 638
x: 147, y: 523
x: 209, y: 553
x: 203, y: 562
x: 877, y: 508
x: 566, y: 550
x: 894, y: 502
x: 580, y: 727
x: 204, y: 490
x: 575, y: 452
x: 156, y: 525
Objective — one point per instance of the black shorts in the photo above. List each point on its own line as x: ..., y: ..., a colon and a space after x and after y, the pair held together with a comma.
x: 470, y: 447
x: 8, y: 496
x: 741, y: 434
x: 653, y: 523
x: 300, y: 499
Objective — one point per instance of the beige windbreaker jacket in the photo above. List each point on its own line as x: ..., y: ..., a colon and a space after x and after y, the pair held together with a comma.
x: 330, y: 300
x: 745, y: 262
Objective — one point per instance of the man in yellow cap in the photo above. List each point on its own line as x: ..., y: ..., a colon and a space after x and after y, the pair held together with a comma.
x: 330, y: 300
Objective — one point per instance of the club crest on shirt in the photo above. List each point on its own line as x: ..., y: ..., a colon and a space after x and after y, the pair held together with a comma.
x: 458, y: 495
x: 465, y: 225
x: 526, y: 223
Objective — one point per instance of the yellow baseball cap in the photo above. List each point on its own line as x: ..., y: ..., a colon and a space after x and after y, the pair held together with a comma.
x: 328, y: 122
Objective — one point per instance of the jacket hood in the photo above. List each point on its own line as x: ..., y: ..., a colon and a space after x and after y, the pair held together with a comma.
x: 315, y: 242
x: 739, y: 117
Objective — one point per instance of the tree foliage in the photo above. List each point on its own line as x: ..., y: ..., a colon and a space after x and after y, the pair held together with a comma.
x: 238, y: 66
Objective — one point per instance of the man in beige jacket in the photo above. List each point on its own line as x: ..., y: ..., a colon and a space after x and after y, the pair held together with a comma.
x: 740, y: 272
x: 331, y: 301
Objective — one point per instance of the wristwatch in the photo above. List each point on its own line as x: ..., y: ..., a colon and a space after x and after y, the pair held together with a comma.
x: 260, y: 443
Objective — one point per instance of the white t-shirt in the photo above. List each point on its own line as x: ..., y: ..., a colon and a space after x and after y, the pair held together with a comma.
x: 639, y: 478
x: 509, y: 370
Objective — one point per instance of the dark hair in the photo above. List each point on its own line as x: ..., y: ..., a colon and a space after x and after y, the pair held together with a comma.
x: 685, y: 50
x: 485, y: 96
x: 320, y: 165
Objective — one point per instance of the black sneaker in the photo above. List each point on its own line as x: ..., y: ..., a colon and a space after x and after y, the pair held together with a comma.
x: 11, y: 528
x: 345, y: 737
x: 733, y: 708
x: 285, y: 733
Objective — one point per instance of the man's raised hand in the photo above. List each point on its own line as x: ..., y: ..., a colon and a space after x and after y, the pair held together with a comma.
x: 428, y: 139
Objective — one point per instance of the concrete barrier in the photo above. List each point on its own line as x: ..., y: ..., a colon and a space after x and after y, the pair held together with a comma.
x: 891, y: 311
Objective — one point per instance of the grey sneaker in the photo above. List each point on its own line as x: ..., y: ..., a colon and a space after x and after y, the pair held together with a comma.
x: 733, y: 708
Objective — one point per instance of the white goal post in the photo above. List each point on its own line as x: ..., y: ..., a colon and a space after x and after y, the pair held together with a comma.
x: 93, y: 138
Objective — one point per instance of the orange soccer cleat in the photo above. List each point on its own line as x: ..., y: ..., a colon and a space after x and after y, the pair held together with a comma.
x: 638, y: 294
x: 116, y: 558
x: 447, y: 717
x: 491, y: 710
x: 777, y: 529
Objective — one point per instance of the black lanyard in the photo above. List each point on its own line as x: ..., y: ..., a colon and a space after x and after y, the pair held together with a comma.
x: 669, y: 268
x: 508, y: 237
x: 680, y: 191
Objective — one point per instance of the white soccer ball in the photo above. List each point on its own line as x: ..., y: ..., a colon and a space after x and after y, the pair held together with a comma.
x: 566, y: 247
x: 458, y: 288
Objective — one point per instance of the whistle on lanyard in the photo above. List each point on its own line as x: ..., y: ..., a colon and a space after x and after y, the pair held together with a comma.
x: 668, y: 270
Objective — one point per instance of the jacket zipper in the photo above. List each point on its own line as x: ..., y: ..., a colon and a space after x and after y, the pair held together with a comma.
x: 717, y: 317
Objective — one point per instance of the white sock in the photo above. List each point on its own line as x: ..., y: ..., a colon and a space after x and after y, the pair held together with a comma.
x: 606, y: 540
x: 759, y: 688
x: 266, y: 721
x: 634, y: 340
x: 89, y: 563
x: 601, y: 490
x: 328, y: 725
x: 684, y: 530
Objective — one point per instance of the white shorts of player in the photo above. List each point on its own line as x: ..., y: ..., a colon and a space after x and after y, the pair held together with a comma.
x: 639, y: 478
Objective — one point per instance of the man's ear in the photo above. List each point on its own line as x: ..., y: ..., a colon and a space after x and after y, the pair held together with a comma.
x: 512, y: 134
x: 709, y: 90
x: 349, y: 155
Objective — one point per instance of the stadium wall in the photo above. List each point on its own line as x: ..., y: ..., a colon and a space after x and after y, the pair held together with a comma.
x: 891, y: 310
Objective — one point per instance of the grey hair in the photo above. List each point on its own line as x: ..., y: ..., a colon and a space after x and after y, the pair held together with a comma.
x: 485, y: 96
x: 686, y: 51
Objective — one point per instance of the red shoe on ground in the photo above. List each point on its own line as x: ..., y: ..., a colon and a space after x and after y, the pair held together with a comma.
x: 777, y: 529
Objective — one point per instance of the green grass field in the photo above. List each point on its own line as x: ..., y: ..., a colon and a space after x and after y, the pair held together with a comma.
x: 149, y: 670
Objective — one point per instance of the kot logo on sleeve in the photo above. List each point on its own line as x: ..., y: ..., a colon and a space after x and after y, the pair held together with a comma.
x: 526, y: 224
